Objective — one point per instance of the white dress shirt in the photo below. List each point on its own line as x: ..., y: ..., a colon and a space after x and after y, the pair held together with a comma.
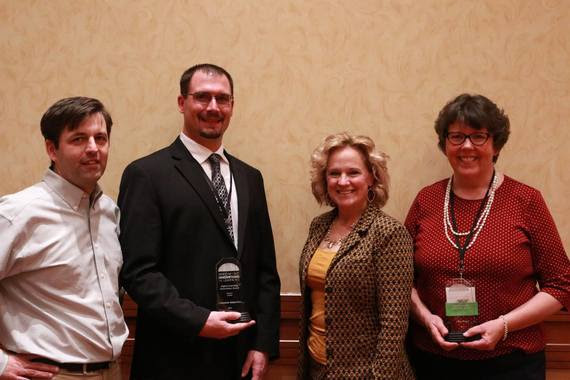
x: 201, y: 154
x: 59, y: 265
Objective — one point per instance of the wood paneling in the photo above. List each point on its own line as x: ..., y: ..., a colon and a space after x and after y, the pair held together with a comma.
x: 556, y: 329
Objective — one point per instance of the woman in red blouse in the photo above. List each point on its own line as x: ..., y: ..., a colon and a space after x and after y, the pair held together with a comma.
x: 482, y: 243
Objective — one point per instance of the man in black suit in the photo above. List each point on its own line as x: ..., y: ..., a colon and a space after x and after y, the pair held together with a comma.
x: 182, y: 212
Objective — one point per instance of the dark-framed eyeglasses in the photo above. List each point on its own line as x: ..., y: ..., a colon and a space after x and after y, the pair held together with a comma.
x: 204, y: 98
x: 458, y: 138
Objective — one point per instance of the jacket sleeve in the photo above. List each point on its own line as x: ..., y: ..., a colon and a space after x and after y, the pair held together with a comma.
x: 141, y: 243
x: 303, y: 362
x: 394, y: 275
x: 268, y: 285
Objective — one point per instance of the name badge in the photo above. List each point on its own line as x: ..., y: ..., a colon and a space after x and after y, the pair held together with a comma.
x: 460, y: 298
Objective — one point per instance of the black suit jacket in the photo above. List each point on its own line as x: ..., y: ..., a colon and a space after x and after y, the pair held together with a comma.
x: 172, y: 236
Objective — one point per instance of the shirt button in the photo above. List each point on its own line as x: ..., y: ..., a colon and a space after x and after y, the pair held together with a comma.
x: 108, y: 304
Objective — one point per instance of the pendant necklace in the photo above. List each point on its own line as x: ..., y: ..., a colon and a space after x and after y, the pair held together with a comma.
x: 330, y: 243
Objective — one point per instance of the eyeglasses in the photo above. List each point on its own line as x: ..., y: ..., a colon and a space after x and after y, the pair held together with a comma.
x: 477, y: 138
x: 204, y: 98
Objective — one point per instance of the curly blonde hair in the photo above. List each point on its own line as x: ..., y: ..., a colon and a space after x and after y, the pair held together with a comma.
x: 374, y: 160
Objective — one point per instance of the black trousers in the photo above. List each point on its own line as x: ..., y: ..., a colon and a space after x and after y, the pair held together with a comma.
x: 516, y: 365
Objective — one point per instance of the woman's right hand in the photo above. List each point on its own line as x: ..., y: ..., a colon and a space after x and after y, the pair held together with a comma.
x: 434, y: 324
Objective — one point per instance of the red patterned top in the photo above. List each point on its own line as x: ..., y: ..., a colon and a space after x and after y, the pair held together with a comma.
x: 518, y: 247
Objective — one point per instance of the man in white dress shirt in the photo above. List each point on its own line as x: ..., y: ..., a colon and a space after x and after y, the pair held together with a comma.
x: 60, y: 257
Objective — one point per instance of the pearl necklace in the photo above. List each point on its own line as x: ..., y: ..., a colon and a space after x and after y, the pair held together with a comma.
x: 447, y: 225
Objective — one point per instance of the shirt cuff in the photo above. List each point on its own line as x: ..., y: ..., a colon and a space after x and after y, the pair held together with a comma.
x: 3, y: 361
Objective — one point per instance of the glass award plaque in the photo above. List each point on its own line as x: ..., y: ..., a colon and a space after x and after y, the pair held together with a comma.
x: 228, y: 287
x: 461, y: 310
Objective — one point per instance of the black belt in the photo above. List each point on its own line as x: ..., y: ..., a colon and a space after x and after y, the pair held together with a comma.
x: 76, y: 367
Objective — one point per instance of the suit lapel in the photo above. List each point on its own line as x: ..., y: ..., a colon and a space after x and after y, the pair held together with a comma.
x: 354, y: 237
x: 242, y: 189
x: 193, y: 173
x: 317, y: 234
x: 319, y: 231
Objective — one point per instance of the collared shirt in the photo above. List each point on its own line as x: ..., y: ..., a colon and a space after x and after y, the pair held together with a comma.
x: 59, y: 265
x: 201, y: 154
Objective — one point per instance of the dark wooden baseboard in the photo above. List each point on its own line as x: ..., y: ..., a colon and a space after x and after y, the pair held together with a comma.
x: 556, y: 329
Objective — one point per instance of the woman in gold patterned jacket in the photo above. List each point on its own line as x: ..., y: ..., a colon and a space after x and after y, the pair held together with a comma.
x: 355, y: 269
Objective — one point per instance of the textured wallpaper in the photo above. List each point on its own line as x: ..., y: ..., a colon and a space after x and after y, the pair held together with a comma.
x: 302, y: 70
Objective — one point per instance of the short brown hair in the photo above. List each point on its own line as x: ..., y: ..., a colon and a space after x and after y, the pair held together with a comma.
x: 206, y: 68
x: 477, y: 112
x: 69, y: 113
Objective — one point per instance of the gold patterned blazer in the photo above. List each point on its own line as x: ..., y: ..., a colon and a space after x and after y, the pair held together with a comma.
x: 367, y: 299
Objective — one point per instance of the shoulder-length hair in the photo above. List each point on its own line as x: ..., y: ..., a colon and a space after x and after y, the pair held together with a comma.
x: 373, y: 159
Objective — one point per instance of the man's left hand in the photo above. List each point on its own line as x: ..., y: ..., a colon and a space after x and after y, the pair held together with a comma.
x: 257, y: 362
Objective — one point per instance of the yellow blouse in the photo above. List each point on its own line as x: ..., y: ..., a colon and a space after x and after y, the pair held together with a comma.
x: 316, y: 273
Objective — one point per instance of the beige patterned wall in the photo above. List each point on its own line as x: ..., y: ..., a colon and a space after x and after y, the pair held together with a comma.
x: 303, y: 69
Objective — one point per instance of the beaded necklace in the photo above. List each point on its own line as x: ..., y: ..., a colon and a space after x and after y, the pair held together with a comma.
x: 478, y: 222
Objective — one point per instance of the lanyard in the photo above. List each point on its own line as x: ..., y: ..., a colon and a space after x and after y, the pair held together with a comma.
x: 463, y: 248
